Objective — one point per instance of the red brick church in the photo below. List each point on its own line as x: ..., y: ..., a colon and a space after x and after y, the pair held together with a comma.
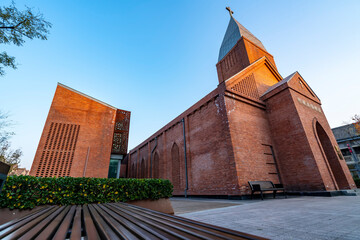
x: 255, y: 125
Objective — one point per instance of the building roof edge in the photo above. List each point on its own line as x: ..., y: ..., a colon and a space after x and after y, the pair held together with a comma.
x: 85, y: 95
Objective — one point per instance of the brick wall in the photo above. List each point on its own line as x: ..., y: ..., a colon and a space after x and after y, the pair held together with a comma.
x: 211, y: 167
x: 306, y: 163
x: 93, y: 127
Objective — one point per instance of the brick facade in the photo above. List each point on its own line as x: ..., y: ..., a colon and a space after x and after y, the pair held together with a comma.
x: 254, y: 126
x: 79, y: 136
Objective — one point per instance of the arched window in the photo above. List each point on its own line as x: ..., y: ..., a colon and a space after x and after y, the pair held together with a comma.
x: 175, y: 159
x: 142, y: 169
x: 137, y: 169
x: 156, y: 166
x: 133, y: 170
x: 130, y: 170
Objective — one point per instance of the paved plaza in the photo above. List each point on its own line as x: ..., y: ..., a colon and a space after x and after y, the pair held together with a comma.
x: 291, y: 218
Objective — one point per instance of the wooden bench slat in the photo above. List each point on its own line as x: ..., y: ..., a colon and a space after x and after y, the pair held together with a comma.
x: 137, y: 229
x: 103, y: 228
x: 156, y: 231
x: 51, y: 229
x: 76, y: 227
x: 228, y: 232
x: 90, y: 228
x: 138, y: 225
x: 193, y: 229
x: 25, y: 218
x: 21, y: 227
x: 157, y: 221
x: 170, y: 229
x: 120, y: 225
x: 64, y: 227
x: 206, y: 231
x: 34, y: 231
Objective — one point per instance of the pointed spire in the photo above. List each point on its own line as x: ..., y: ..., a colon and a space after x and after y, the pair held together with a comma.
x: 233, y: 33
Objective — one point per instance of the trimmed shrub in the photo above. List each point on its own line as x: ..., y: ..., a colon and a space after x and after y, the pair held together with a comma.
x: 357, y: 182
x: 28, y: 192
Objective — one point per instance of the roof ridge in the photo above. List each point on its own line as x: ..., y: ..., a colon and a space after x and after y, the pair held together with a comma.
x: 241, y: 27
x: 276, y: 85
x: 85, y: 95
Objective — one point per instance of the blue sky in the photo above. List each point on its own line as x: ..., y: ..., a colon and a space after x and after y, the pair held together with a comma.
x: 157, y: 58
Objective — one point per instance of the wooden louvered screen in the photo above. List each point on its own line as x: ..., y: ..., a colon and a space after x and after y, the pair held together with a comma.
x: 58, y: 152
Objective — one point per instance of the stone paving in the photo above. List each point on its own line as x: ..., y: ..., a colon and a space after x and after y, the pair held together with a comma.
x: 182, y: 205
x: 292, y: 218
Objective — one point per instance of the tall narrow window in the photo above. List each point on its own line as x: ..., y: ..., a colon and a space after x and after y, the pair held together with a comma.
x: 142, y: 175
x: 133, y: 170
x: 156, y: 166
x: 175, y: 159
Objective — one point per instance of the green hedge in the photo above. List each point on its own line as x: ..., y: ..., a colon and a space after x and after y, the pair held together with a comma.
x: 28, y: 192
x: 357, y: 182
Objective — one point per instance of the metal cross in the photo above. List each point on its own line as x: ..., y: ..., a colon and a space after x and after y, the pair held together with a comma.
x: 230, y: 11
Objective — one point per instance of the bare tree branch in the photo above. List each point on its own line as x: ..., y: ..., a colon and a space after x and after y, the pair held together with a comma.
x: 13, y: 27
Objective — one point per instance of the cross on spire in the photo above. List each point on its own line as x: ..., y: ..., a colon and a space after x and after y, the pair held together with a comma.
x: 230, y: 11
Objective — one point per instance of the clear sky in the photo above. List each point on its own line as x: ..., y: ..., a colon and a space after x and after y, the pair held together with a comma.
x: 157, y: 58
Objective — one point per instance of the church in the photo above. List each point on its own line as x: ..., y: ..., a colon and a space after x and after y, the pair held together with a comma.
x: 254, y: 126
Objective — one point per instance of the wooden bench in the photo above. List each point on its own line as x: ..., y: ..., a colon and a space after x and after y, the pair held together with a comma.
x: 111, y: 221
x: 265, y: 186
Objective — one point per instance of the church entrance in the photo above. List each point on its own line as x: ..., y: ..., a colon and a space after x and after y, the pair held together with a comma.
x: 331, y: 157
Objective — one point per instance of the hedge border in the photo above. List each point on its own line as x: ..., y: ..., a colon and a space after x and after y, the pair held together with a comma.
x: 25, y: 192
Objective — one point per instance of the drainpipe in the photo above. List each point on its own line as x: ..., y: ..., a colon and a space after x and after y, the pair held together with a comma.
x: 151, y: 154
x: 186, y: 171
x: 86, y: 161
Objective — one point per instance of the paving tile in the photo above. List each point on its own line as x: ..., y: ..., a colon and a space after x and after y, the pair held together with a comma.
x: 292, y: 218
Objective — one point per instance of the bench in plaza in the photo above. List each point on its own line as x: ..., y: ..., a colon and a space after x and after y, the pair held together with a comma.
x: 265, y: 186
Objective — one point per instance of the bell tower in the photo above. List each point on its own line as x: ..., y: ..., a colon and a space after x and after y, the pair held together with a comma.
x: 239, y: 49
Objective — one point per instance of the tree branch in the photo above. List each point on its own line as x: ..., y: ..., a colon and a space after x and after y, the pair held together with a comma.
x: 13, y: 27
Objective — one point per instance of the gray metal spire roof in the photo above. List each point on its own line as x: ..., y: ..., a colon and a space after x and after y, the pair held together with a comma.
x: 233, y: 33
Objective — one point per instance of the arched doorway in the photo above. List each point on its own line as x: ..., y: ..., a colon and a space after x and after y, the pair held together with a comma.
x: 156, y: 165
x: 175, y: 171
x: 332, y: 157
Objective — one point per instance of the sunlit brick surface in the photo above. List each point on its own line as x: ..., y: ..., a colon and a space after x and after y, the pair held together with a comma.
x: 79, y: 136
